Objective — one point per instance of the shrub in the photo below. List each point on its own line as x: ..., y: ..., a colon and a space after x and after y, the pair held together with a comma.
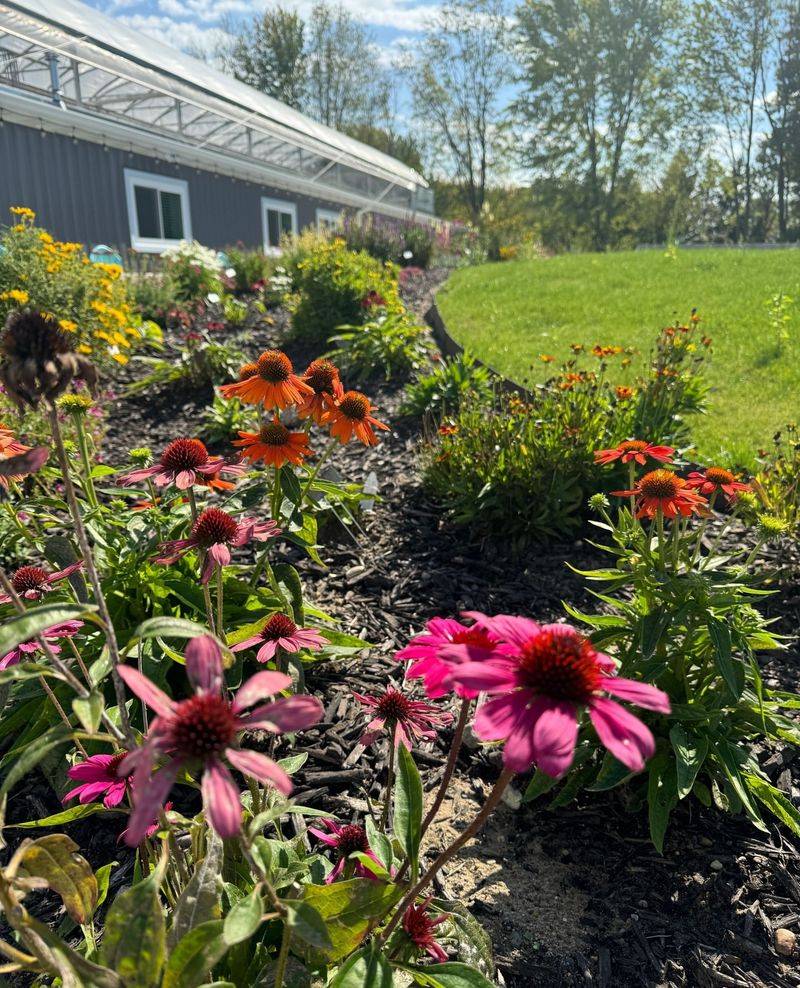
x: 777, y: 479
x: 154, y: 294
x: 194, y: 270
x: 251, y: 268
x: 90, y: 301
x: 447, y: 387
x: 400, y: 241
x: 199, y: 361
x: 392, y: 345
x: 337, y: 287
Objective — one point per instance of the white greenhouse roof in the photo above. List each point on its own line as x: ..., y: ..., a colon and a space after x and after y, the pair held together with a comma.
x: 108, y: 70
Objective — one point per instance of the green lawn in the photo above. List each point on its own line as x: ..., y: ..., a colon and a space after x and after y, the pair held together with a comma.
x: 509, y: 313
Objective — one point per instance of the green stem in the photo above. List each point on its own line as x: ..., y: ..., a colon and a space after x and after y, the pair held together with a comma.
x: 276, y: 499
x: 283, y: 956
x: 206, y: 591
x: 660, y: 530
x: 389, y: 783
x: 313, y: 474
x: 83, y: 446
x: 219, y: 601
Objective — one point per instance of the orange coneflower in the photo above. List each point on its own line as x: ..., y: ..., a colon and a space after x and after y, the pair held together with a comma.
x: 248, y: 370
x: 323, y: 378
x: 635, y: 450
x: 274, y: 444
x: 715, y: 479
x: 9, y: 448
x: 350, y: 416
x: 274, y: 385
x: 665, y: 492
x: 623, y: 393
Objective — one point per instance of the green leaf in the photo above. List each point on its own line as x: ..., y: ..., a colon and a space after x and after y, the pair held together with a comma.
x: 662, y: 795
x: 408, y: 806
x: 348, y: 909
x: 380, y: 844
x: 135, y: 938
x: 30, y: 757
x: 612, y: 773
x: 243, y: 919
x: 293, y: 763
x: 775, y: 801
x: 170, y: 627
x: 538, y: 786
x: 55, y: 859
x: 306, y: 923
x: 24, y: 671
x: 103, y: 876
x: 690, y: 753
x: 449, y: 975
x: 290, y: 485
x: 22, y: 627
x: 199, y: 901
x: 194, y: 956
x: 287, y: 575
x: 89, y: 710
x: 731, y: 670
x: 79, y: 812
x: 366, y: 969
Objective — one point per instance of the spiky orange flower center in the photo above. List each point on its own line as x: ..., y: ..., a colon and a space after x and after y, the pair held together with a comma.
x: 719, y: 476
x: 321, y: 376
x: 660, y: 484
x: 248, y: 370
x: 213, y: 526
x: 204, y: 725
x: 633, y: 446
x: 393, y: 705
x: 28, y: 578
x: 355, y: 406
x: 560, y: 665
x: 274, y: 366
x: 352, y: 838
x: 184, y: 454
x: 278, y: 626
x: 274, y: 434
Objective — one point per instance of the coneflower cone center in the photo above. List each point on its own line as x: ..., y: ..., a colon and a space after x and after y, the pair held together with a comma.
x: 203, y: 726
x: 248, y: 370
x: 393, y: 706
x: 28, y: 578
x: 354, y: 406
x: 473, y: 636
x: 184, y: 454
x: 660, y: 484
x: 213, y: 526
x: 274, y: 434
x: 278, y: 626
x: 560, y: 666
x: 320, y: 376
x: 34, y: 336
x: 632, y: 445
x: 274, y: 366
x: 352, y: 838
x: 418, y: 926
x: 719, y: 476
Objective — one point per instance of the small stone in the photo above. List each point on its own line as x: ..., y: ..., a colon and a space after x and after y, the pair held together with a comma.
x: 785, y: 942
x: 512, y: 797
x: 642, y: 903
x: 706, y: 841
x: 715, y: 865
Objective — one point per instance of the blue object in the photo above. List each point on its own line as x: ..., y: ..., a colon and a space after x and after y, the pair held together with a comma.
x: 224, y: 260
x: 101, y: 254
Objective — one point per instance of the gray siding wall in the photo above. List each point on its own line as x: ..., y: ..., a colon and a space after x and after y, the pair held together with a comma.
x: 77, y: 189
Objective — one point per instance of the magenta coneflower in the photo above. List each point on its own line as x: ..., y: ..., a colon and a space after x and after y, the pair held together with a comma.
x: 215, y: 533
x: 204, y: 732
x: 347, y: 839
x: 51, y: 635
x: 98, y: 777
x: 408, y: 721
x: 184, y: 462
x: 33, y: 582
x: 419, y: 927
x: 423, y: 653
x: 280, y: 631
x: 552, y: 673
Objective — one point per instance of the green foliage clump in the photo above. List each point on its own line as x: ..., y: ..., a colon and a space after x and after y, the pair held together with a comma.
x: 194, y: 270
x: 392, y: 345
x: 442, y: 391
x: 401, y: 241
x: 250, y: 268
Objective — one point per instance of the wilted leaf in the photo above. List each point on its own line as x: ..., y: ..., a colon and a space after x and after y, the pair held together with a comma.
x: 199, y: 901
x: 55, y: 859
x: 135, y: 936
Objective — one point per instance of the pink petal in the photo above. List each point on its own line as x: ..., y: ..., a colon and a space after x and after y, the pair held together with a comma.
x: 221, y: 799
x: 555, y: 731
x: 515, y: 630
x: 262, y: 684
x: 293, y: 713
x: 495, y: 676
x: 220, y: 553
x: 496, y: 719
x: 247, y: 643
x: 185, y: 479
x: 147, y: 691
x: 204, y: 664
x: 260, y: 767
x: 625, y: 736
x: 267, y: 651
x: 148, y: 800
x: 642, y: 694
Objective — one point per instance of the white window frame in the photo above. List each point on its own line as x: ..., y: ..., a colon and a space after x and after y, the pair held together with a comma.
x: 281, y: 206
x: 328, y: 216
x: 161, y: 183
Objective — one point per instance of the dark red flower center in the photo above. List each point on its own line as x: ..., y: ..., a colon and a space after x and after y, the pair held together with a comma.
x: 354, y: 405
x: 278, y: 626
x: 394, y: 706
x: 274, y: 366
x: 28, y: 578
x: 632, y: 445
x: 321, y: 376
x: 352, y: 838
x: 274, y: 434
x: 204, y: 725
x: 184, y: 454
x: 660, y: 484
x: 561, y: 665
x: 248, y: 370
x: 113, y: 765
x: 719, y: 476
x: 419, y: 926
x: 213, y: 526
x: 473, y: 636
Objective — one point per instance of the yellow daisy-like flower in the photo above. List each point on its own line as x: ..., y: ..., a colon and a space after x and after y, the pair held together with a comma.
x: 23, y: 211
x: 16, y: 295
x: 68, y: 325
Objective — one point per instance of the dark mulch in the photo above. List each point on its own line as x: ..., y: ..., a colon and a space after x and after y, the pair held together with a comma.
x: 576, y: 896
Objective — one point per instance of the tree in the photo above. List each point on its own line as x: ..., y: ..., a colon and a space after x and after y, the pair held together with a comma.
x: 596, y: 87
x: 269, y: 54
x: 404, y: 147
x: 459, y: 74
x: 782, y: 107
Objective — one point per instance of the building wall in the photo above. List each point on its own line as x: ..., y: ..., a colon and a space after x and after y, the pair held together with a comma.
x: 77, y: 189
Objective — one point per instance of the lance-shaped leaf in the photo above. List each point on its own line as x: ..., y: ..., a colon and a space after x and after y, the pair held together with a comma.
x: 135, y: 937
x: 199, y: 901
x: 32, y: 622
x: 194, y: 956
x: 408, y: 806
x: 56, y: 860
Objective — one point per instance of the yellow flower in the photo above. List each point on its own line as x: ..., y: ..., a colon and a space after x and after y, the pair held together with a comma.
x: 45, y: 237
x: 68, y: 325
x: 16, y: 295
x: 24, y: 212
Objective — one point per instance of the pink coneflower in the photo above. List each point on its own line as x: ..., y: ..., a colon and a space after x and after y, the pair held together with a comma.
x: 409, y: 721
x: 347, y: 839
x: 715, y: 479
x: 33, y: 582
x: 419, y: 927
x: 280, y: 631
x: 51, y: 635
x: 423, y: 653
x: 184, y: 462
x: 214, y: 533
x: 152, y: 829
x: 98, y: 776
x: 552, y: 673
x: 204, y: 732
x: 635, y: 450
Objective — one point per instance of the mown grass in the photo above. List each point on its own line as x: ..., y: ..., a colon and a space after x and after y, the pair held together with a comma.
x: 509, y: 313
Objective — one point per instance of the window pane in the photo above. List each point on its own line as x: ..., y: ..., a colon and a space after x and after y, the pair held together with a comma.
x: 286, y: 222
x: 172, y: 215
x: 147, y: 212
x: 273, y: 228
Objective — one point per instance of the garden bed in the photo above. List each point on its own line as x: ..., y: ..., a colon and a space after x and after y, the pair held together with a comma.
x: 572, y: 896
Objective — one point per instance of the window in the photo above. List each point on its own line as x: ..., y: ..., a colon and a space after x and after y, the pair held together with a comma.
x: 328, y: 219
x: 279, y: 219
x: 158, y: 210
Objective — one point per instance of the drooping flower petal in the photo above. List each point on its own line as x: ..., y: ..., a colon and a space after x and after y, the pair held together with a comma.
x: 260, y: 767
x: 204, y: 664
x: 221, y: 799
x: 146, y: 690
x: 625, y: 736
